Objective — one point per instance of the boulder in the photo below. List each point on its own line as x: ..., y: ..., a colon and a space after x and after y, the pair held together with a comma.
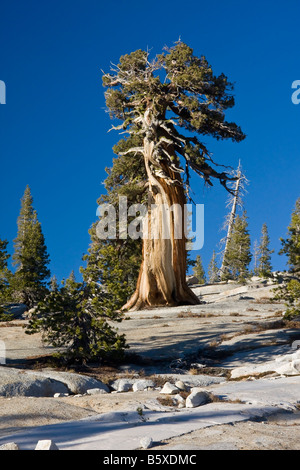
x: 181, y: 385
x: 122, y: 385
x: 75, y: 383
x: 192, y: 280
x: 96, y: 391
x: 10, y: 446
x: 169, y: 389
x: 142, y: 384
x: 179, y: 401
x: 286, y: 364
x: 46, y: 445
x: 198, y: 397
x: 190, y: 380
x: 15, y: 382
x: 146, y: 442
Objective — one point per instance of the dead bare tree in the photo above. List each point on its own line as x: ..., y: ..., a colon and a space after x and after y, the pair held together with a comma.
x: 235, y: 201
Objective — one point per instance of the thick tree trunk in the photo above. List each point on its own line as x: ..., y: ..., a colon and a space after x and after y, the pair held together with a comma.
x: 162, y: 277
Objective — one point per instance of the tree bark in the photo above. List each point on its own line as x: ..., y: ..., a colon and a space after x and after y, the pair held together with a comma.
x: 162, y: 277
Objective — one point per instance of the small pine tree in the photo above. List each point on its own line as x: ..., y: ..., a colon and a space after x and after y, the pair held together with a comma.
x: 77, y: 316
x: 291, y: 245
x: 53, y: 283
x: 213, y: 270
x: 72, y: 276
x: 198, y: 270
x: 4, y: 256
x: 290, y: 290
x: 238, y: 256
x: 4, y: 278
x: 264, y: 262
x: 29, y: 283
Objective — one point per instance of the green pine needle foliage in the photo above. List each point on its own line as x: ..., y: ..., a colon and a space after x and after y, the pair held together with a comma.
x: 213, y: 270
x: 5, y: 276
x: 291, y: 245
x: 238, y: 256
x: 264, y: 262
x: 198, y: 270
x: 77, y: 318
x: 30, y: 282
x: 290, y: 290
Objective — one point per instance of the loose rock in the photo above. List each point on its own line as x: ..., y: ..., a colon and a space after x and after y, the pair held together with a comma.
x: 198, y: 397
x: 96, y: 391
x: 46, y: 445
x: 146, y: 442
x: 141, y: 385
x: 10, y: 446
x: 122, y: 385
x: 179, y: 401
x: 169, y: 389
x: 179, y: 384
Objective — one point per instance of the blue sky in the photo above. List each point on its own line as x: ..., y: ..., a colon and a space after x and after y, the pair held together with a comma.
x: 53, y: 128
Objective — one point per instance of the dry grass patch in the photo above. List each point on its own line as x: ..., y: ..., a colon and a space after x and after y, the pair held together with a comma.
x: 166, y: 401
x: 190, y: 314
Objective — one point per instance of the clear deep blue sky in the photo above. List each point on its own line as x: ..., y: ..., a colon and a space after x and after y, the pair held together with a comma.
x: 53, y: 129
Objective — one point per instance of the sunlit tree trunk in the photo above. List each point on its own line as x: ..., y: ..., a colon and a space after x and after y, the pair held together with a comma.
x: 162, y: 277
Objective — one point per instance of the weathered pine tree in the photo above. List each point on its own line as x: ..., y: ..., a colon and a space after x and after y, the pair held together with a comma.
x: 238, y: 256
x: 213, y: 270
x: 264, y: 261
x: 163, y: 104
x: 29, y: 283
x: 198, y: 270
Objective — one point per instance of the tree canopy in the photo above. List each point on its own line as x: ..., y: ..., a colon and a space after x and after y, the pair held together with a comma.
x: 167, y: 99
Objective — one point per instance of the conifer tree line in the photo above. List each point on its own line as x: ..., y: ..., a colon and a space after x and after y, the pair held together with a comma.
x: 235, y: 265
x: 75, y: 316
x: 28, y: 284
x: 238, y: 256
